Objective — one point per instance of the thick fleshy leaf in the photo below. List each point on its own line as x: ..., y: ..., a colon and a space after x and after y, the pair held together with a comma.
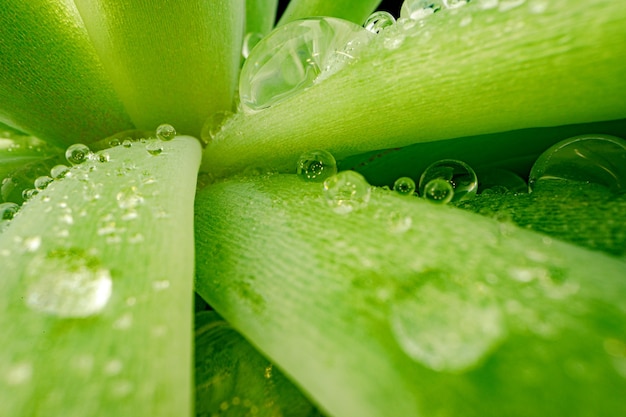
x: 451, y: 75
x: 172, y: 62
x: 354, y: 10
x: 52, y: 84
x: 96, y: 288
x: 407, y: 308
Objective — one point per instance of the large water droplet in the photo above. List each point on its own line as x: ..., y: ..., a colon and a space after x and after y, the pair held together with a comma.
x: 154, y: 147
x: 295, y: 56
x: 419, y: 9
x: 166, y: 132
x: 378, y: 21
x: 460, y: 175
x: 42, y: 182
x: 599, y: 159
x: 77, y: 153
x: 316, y: 166
x: 59, y: 171
x: 445, y: 327
x: 213, y: 125
x: 67, y: 283
x: 404, y: 186
x: 347, y: 191
x: 8, y: 211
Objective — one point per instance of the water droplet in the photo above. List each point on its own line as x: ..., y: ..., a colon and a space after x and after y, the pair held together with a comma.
x: 399, y: 223
x: 154, y: 147
x: 77, y: 153
x: 42, y: 182
x: 347, y: 191
x: 29, y: 193
x: 316, y: 166
x: 419, y: 9
x: 129, y: 198
x: 59, y: 171
x: 114, y: 142
x: 127, y: 143
x: 460, y: 175
x: 103, y: 157
x: 454, y: 4
x: 249, y: 42
x: 213, y: 125
x: 8, y: 211
x: 378, y: 21
x: 67, y: 283
x: 599, y: 159
x: 32, y: 244
x: 19, y: 374
x: 165, y: 132
x: 404, y: 186
x: 295, y: 56
x: 438, y: 191
x: 446, y: 329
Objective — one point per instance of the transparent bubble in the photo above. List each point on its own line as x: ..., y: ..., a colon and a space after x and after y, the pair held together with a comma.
x: 419, y: 9
x: 67, y: 283
x: 114, y: 142
x: 59, y: 171
x: 594, y: 158
x: 454, y: 4
x: 404, y: 186
x: 499, y: 181
x: 438, y: 191
x: 8, y: 211
x: 214, y: 124
x: 460, y: 175
x: 347, y: 191
x: 378, y: 21
x: 166, y: 132
x: 445, y: 329
x: 29, y: 193
x: 42, y: 182
x: 249, y: 42
x: 154, y: 147
x: 103, y: 157
x: 127, y: 143
x: 295, y: 56
x: 316, y: 166
x: 77, y: 153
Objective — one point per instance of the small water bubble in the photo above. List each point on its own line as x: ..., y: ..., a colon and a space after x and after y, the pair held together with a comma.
x: 129, y: 198
x: 347, y: 191
x: 454, y: 4
x: 127, y: 143
x: 29, y: 193
x: 59, y: 171
x: 213, y: 125
x: 114, y: 142
x: 438, y: 191
x: 77, y: 153
x: 394, y: 41
x: 154, y: 147
x: 160, y: 285
x: 165, y: 132
x: 378, y: 21
x: 419, y: 9
x: 295, y: 56
x: 461, y: 177
x: 249, y: 42
x: 598, y: 159
x: 42, y: 182
x: 8, y: 211
x: 32, y: 244
x: 399, y: 223
x: 67, y: 283
x: 404, y: 186
x: 103, y: 157
x: 316, y: 166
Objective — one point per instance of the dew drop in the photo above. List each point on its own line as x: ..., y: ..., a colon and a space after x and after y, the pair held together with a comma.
x: 77, y: 153
x: 404, y: 186
x: 295, y: 56
x: 446, y: 329
x: 399, y: 223
x: 42, y: 182
x: 127, y: 143
x: 379, y: 21
x: 103, y: 157
x: 419, y: 9
x: 29, y: 193
x: 249, y: 42
x: 213, y: 125
x: 438, y: 191
x: 347, y: 191
x: 454, y: 4
x: 166, y: 132
x: 461, y: 177
x: 8, y: 211
x: 67, y: 283
x: 114, y: 142
x: 59, y: 171
x: 594, y: 158
x: 154, y: 147
x: 316, y: 166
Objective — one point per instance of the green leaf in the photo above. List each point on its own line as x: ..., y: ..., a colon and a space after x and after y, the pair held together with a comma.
x: 260, y: 15
x: 354, y: 10
x: 232, y: 377
x: 450, y: 77
x: 407, y: 308
x: 96, y: 289
x: 52, y: 84
x: 17, y: 150
x: 175, y: 62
